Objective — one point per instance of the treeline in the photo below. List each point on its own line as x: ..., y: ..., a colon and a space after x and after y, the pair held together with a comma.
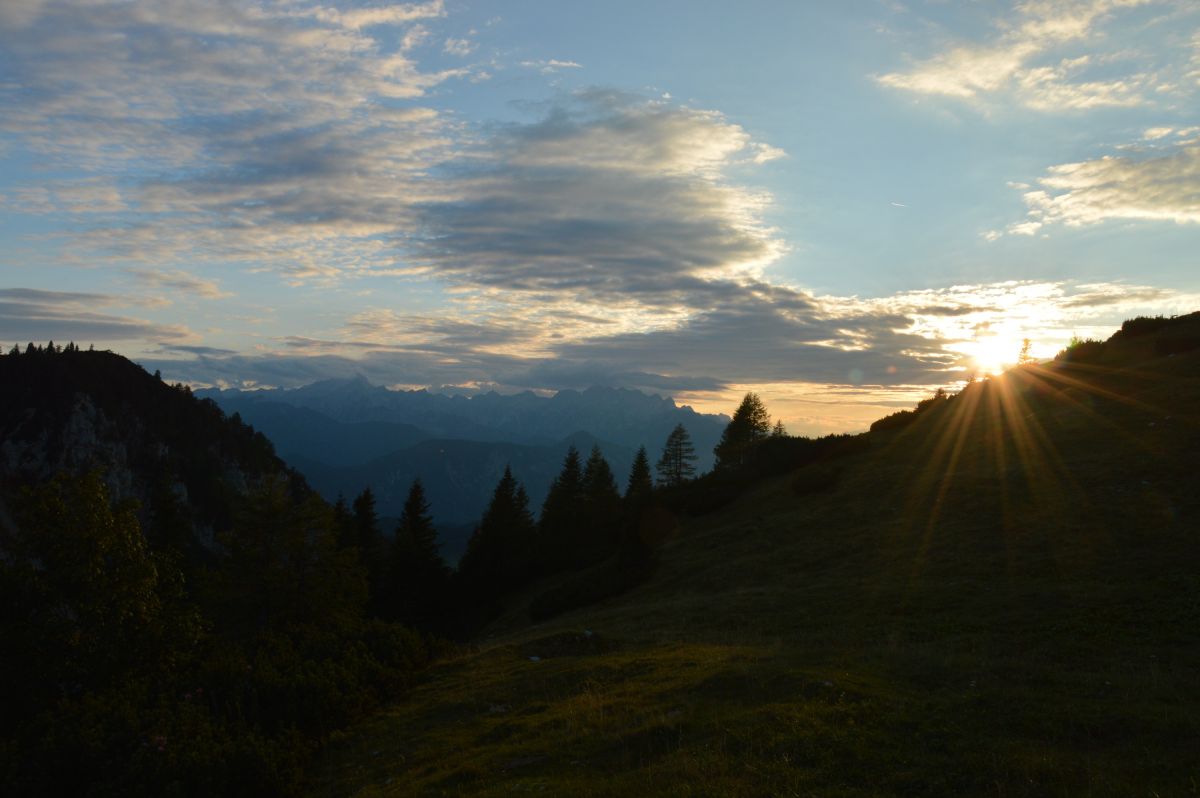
x: 592, y: 539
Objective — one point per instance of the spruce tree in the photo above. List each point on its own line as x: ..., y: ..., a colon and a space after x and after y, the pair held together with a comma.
x: 640, y: 484
x: 371, y: 550
x: 366, y: 521
x: 499, y: 553
x: 750, y: 424
x: 344, y: 523
x: 675, y: 466
x: 779, y: 431
x: 601, y: 509
x: 561, y: 519
x: 418, y: 579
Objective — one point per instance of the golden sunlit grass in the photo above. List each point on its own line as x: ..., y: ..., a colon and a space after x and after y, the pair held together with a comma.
x: 1000, y: 599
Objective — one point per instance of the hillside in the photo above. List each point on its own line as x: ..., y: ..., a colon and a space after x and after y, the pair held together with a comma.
x: 182, y: 614
x: 1000, y: 597
x: 71, y: 411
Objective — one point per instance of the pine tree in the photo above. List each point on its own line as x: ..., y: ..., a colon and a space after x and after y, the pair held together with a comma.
x: 499, y: 554
x: 601, y: 509
x: 418, y: 579
x: 675, y: 466
x: 371, y: 550
x: 750, y: 424
x: 561, y: 519
x: 779, y: 431
x: 640, y: 484
x: 366, y: 521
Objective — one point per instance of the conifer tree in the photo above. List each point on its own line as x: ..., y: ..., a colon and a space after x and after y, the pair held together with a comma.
x: 640, y: 484
x: 779, y: 431
x: 560, y: 522
x: 418, y: 578
x: 675, y: 466
x: 750, y: 424
x: 499, y: 553
x: 366, y: 520
x: 601, y: 509
x: 344, y: 523
x: 371, y: 551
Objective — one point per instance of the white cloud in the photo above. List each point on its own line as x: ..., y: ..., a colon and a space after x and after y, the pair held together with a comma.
x: 1158, y: 187
x: 180, y: 281
x: 1013, y: 65
x: 459, y: 47
x: 358, y: 18
x: 551, y: 65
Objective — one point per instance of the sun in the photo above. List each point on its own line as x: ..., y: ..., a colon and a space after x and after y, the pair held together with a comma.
x: 994, y: 353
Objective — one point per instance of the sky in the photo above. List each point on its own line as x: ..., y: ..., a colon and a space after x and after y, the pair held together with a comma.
x: 840, y: 205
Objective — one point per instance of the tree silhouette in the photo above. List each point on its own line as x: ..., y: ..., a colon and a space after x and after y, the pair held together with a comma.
x: 779, y: 431
x: 675, y: 466
x: 640, y: 484
x: 418, y: 578
x: 372, y: 552
x: 561, y: 519
x: 499, y: 554
x: 1024, y: 357
x: 601, y: 509
x: 750, y: 424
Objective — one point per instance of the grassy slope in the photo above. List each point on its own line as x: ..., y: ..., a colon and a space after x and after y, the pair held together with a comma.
x: 1002, y: 599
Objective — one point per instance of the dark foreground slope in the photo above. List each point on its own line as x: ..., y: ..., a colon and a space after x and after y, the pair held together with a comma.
x: 181, y: 615
x: 1000, y: 598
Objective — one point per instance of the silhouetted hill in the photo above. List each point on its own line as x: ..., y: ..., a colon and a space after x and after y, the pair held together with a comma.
x: 1139, y: 340
x: 182, y: 614
x: 999, y: 597
x: 71, y: 411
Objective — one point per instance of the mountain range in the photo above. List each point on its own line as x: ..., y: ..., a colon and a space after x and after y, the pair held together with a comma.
x: 347, y: 434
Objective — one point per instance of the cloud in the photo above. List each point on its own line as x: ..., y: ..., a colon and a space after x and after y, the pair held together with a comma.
x: 1155, y: 133
x: 180, y: 281
x: 358, y: 18
x: 1138, y: 187
x: 36, y: 315
x: 617, y: 201
x: 206, y: 351
x: 459, y: 47
x: 282, y: 136
x: 552, y: 65
x: 1018, y: 63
